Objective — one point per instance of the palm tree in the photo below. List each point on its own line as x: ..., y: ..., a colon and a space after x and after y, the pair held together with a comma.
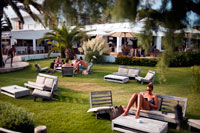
x: 25, y: 6
x: 63, y: 39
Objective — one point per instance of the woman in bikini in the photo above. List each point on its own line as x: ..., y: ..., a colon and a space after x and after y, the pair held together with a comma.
x: 145, y: 101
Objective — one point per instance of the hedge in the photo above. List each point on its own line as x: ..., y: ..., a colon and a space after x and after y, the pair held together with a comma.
x: 124, y: 60
x: 180, y: 59
x: 15, y: 118
x: 185, y: 59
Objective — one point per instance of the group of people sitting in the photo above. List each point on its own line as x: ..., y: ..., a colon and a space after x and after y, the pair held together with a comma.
x: 78, y: 64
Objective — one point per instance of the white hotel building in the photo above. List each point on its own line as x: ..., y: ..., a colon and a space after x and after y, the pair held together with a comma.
x: 25, y: 36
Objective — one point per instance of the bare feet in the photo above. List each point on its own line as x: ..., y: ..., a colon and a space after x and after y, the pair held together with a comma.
x: 124, y: 114
x: 136, y: 117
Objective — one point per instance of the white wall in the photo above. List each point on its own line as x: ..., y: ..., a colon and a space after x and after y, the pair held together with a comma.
x: 158, y: 42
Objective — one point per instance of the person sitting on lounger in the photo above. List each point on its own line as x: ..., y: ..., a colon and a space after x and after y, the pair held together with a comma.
x: 74, y: 60
x: 145, y: 101
x: 66, y: 63
x: 58, y: 63
x: 80, y: 65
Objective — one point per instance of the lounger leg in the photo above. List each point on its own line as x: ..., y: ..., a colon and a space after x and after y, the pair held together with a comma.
x: 189, y: 128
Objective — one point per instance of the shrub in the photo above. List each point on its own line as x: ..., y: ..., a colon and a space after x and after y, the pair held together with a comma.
x: 124, y: 60
x: 15, y: 118
x: 196, y: 77
x: 184, y: 59
x: 94, y: 49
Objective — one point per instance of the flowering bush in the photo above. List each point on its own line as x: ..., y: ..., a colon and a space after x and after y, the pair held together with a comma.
x: 94, y: 49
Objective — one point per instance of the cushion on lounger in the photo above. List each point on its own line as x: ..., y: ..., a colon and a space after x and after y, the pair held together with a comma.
x: 35, y: 84
x: 48, y: 82
x: 133, y: 72
x: 149, y: 76
x: 40, y: 80
x: 123, y: 71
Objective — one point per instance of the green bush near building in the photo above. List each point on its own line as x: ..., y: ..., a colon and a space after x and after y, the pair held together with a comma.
x: 185, y: 59
x: 124, y: 60
x: 180, y: 59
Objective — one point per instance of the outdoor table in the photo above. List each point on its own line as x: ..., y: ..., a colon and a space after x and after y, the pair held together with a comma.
x: 116, y: 78
x: 15, y: 91
x: 130, y: 124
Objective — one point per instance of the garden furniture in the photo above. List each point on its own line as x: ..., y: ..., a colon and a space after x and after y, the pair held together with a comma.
x: 116, y: 78
x: 126, y: 71
x: 166, y: 111
x: 100, y: 102
x: 89, y: 69
x: 43, y: 94
x: 150, y: 77
x: 39, y: 69
x: 15, y: 91
x: 130, y: 124
x: 193, y: 123
x: 43, y: 82
x: 68, y: 71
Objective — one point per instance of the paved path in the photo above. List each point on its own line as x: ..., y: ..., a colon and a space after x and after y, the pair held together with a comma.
x: 16, y: 67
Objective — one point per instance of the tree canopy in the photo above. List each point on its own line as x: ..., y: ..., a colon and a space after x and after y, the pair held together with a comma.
x: 25, y: 5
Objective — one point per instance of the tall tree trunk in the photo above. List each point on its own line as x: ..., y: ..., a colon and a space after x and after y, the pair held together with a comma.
x: 69, y: 53
x: 1, y: 54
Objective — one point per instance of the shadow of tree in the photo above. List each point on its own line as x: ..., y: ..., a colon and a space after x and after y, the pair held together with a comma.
x: 66, y: 95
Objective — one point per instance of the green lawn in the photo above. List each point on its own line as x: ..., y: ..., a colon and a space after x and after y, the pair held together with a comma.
x: 69, y: 112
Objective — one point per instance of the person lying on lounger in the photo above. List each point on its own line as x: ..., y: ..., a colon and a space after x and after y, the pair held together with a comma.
x: 145, y: 101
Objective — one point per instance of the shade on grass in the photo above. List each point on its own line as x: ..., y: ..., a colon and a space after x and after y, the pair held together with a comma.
x: 69, y: 112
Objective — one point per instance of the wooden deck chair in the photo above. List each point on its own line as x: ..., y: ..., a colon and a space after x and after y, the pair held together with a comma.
x: 68, y: 71
x: 100, y: 102
x: 150, y: 77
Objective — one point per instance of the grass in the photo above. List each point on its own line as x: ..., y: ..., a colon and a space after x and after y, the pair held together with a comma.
x: 69, y: 112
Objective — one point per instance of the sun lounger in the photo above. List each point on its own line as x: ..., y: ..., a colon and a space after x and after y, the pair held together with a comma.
x: 43, y: 82
x: 100, y: 102
x: 43, y: 94
x: 150, y: 76
x: 39, y: 69
x: 126, y: 71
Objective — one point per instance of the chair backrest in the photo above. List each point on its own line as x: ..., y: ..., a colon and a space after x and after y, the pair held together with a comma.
x: 89, y: 69
x: 123, y: 70
x: 38, y: 67
x: 68, y: 71
x: 167, y: 103
x: 150, y: 75
x: 134, y: 70
x: 55, y: 78
x: 100, y: 98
